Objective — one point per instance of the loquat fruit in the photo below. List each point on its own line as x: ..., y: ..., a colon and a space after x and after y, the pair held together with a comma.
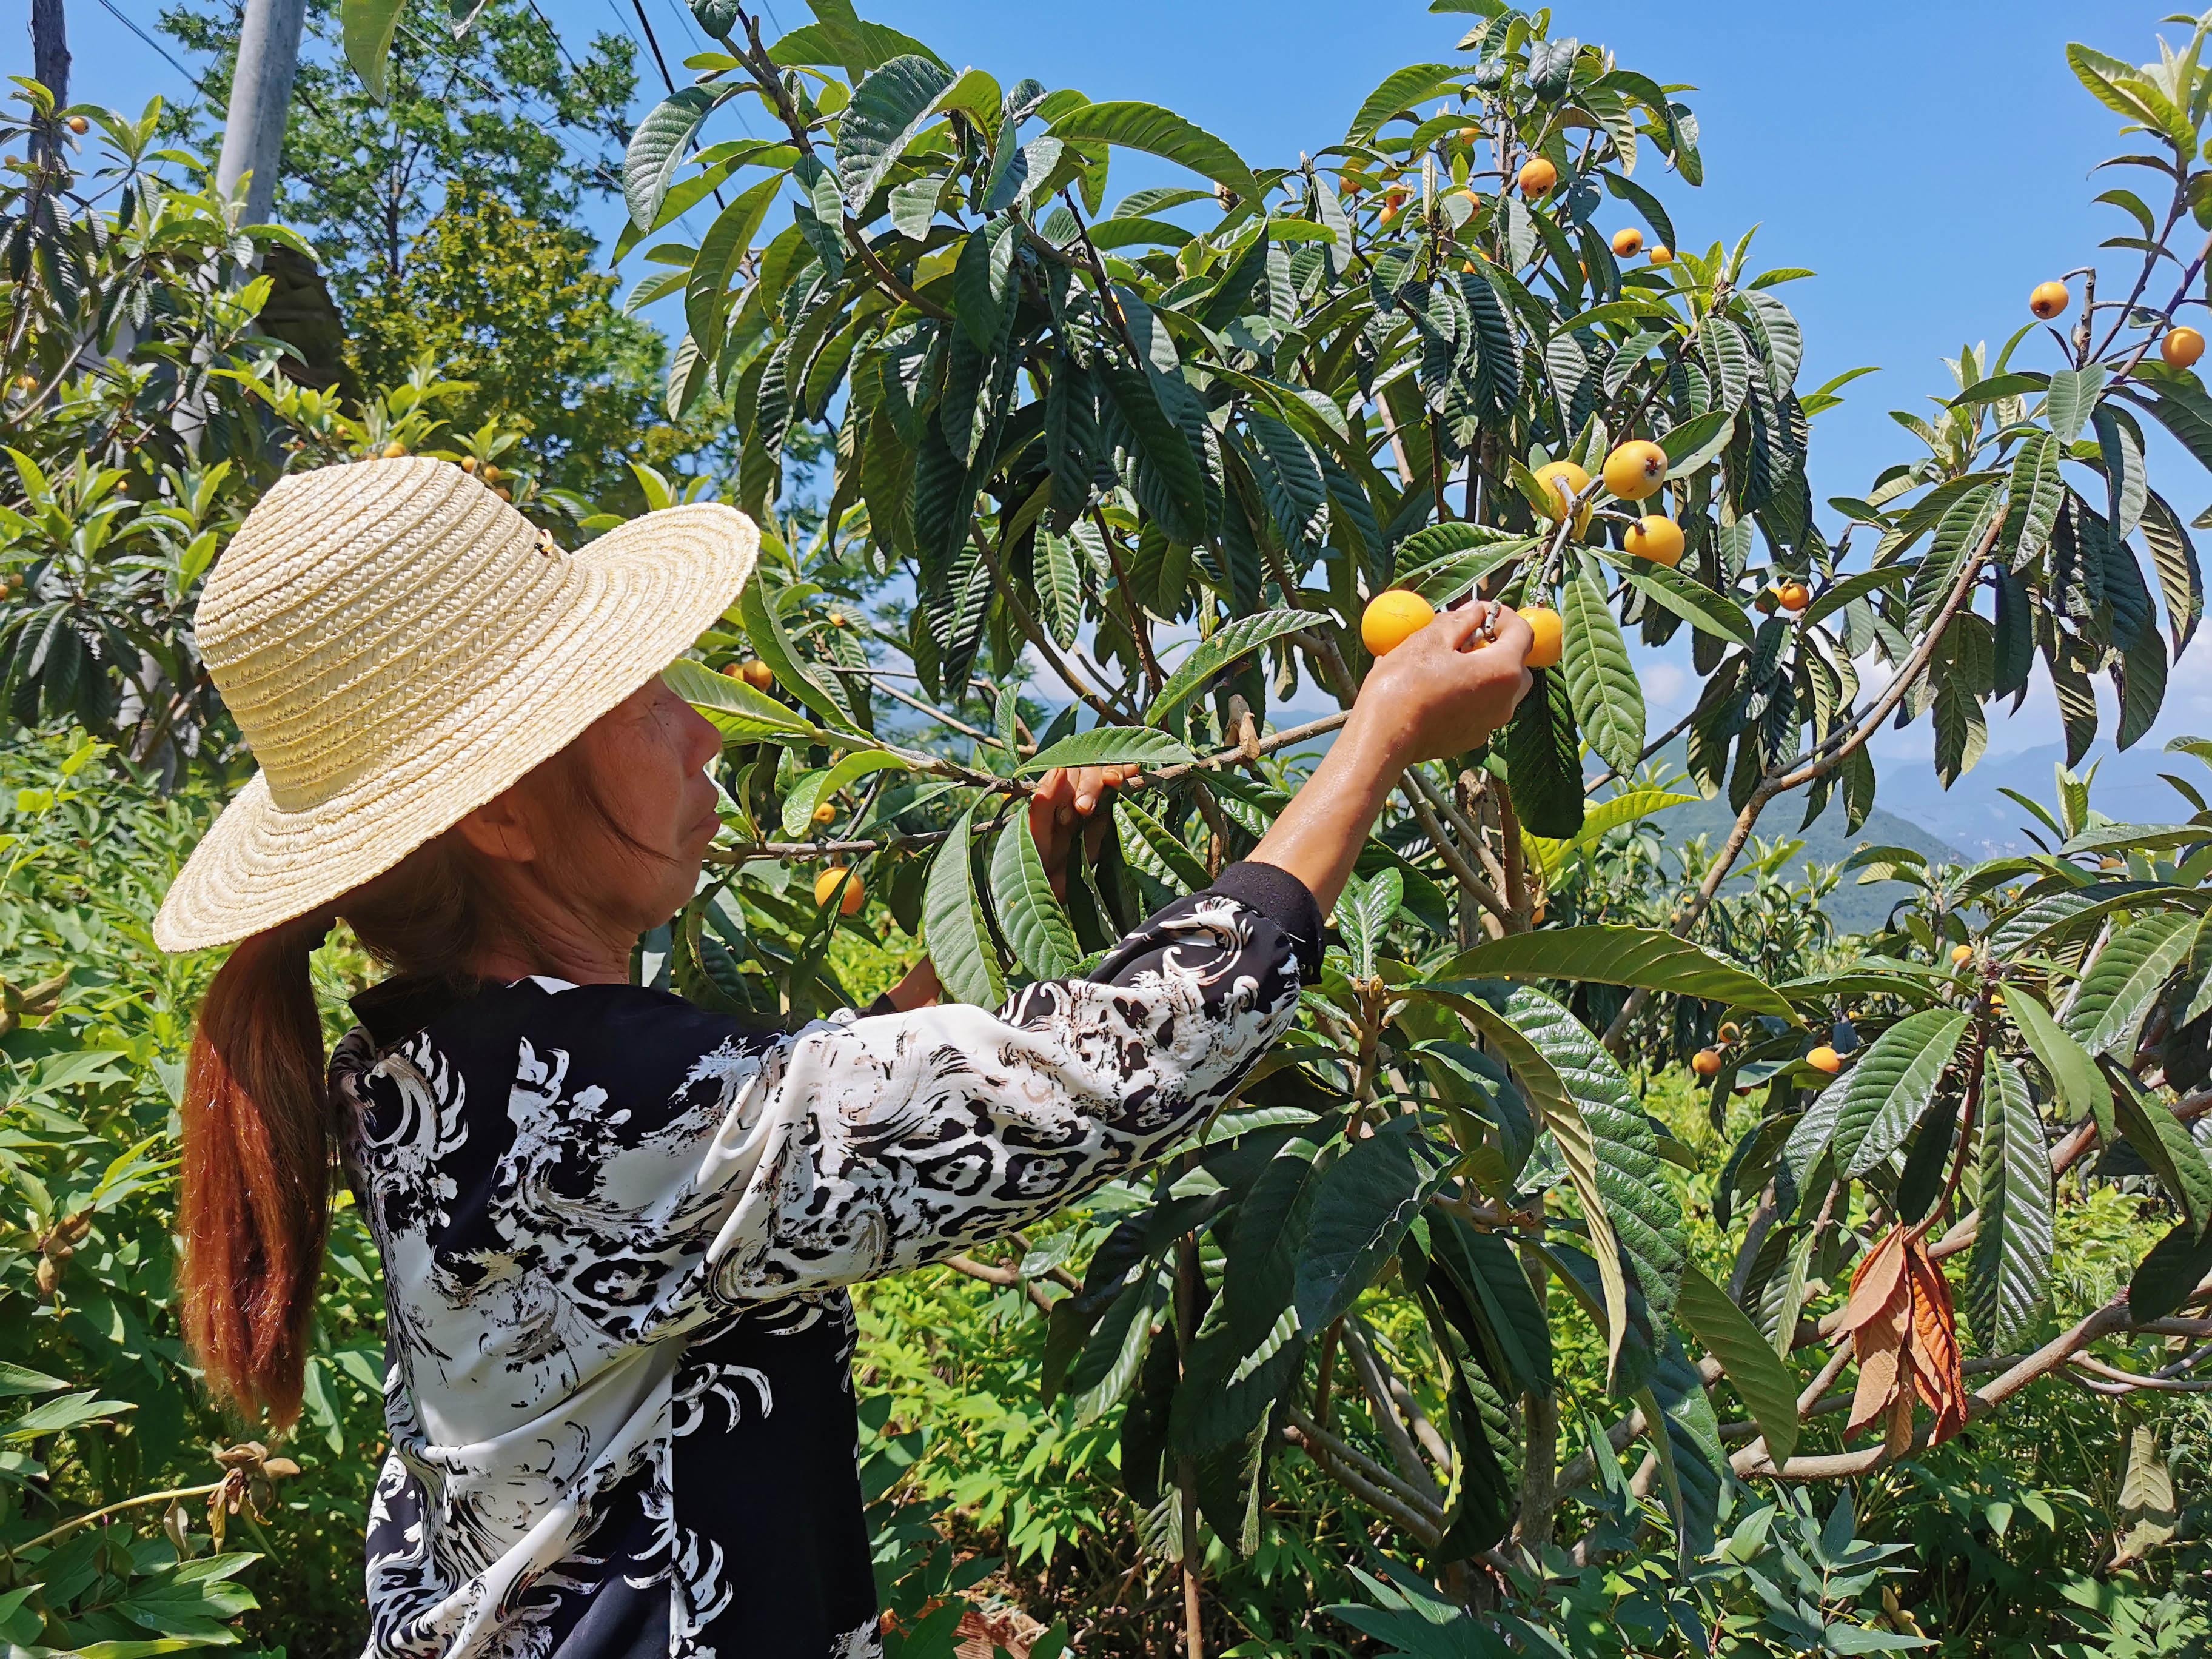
x: 1550, y: 635
x: 755, y: 673
x: 1706, y: 1062
x: 1563, y: 479
x: 1730, y: 1031
x: 828, y: 882
x: 1961, y: 955
x: 825, y: 814
x: 2181, y: 348
x: 1792, y: 596
x: 1655, y: 538
x: 2047, y: 300
x: 469, y: 464
x: 1660, y: 254
x: 394, y: 450
x: 1635, y: 470
x: 1536, y: 177
x: 1393, y: 617
x: 1825, y: 1059
x: 79, y: 126
x: 1627, y: 244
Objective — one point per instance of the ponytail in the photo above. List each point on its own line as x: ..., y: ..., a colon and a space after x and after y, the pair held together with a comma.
x: 255, y: 1207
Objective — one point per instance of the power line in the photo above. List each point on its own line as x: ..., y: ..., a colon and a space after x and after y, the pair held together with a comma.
x: 200, y: 85
x: 646, y: 23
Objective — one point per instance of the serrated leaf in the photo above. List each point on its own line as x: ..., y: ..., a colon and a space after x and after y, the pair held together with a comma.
x: 1176, y: 861
x: 2166, y: 1146
x: 1768, y: 1390
x: 2009, y: 1273
x: 1629, y: 806
x: 2076, y: 1082
x: 739, y: 712
x: 1060, y: 588
x: 1882, y: 1097
x: 890, y: 108
x: 816, y: 787
x: 1367, y: 1199
x: 2169, y: 1273
x: 764, y: 631
x: 1649, y: 959
x: 2072, y: 397
x: 368, y: 27
x: 1031, y: 917
x: 1111, y: 746
x: 2135, y: 962
x: 656, y: 148
x: 1162, y: 133
x: 1544, y: 759
x: 1685, y: 597
x: 1601, y: 680
x: 952, y: 923
x: 1209, y: 657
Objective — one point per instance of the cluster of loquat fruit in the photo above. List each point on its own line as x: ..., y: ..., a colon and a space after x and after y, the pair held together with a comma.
x: 2179, y: 347
x: 1632, y: 472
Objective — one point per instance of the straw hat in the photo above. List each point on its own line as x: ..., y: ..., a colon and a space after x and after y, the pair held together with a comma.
x: 399, y: 645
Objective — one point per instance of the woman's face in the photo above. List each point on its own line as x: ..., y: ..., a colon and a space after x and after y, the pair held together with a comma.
x: 646, y: 759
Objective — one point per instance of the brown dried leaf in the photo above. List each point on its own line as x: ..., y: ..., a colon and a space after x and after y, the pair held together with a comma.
x: 1874, y: 1283
x: 1937, y: 1373
x: 1878, y: 1347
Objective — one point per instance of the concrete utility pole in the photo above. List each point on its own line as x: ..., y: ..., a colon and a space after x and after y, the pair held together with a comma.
x: 260, y: 100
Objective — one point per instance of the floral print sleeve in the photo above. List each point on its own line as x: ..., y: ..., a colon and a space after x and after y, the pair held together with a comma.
x: 610, y: 1221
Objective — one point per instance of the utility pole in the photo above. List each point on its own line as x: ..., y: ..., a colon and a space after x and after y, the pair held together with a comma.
x: 260, y: 100
x: 49, y: 60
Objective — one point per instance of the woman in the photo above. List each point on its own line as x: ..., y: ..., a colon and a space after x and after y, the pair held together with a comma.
x: 615, y: 1228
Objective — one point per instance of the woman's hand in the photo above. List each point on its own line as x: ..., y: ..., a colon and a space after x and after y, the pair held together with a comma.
x: 1441, y: 692
x: 1070, y: 802
x: 1450, y: 685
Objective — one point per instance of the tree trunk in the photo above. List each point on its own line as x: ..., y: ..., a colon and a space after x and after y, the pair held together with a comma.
x: 49, y: 60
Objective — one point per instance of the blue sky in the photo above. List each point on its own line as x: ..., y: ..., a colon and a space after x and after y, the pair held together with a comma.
x: 1931, y: 161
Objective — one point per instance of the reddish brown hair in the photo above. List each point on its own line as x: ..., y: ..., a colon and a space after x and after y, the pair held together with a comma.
x: 260, y: 1131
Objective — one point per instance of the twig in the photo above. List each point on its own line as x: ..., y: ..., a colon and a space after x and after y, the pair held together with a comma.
x: 1002, y: 1277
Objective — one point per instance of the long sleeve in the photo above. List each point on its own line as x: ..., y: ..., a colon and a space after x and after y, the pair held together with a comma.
x: 876, y: 1144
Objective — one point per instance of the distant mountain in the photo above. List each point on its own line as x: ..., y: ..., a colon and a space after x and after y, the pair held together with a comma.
x: 1852, y: 908
x: 1973, y: 816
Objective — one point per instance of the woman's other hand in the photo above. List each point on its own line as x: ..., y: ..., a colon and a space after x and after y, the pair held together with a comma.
x: 1069, y: 802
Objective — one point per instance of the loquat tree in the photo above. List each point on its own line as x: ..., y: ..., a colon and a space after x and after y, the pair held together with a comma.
x: 1270, y: 421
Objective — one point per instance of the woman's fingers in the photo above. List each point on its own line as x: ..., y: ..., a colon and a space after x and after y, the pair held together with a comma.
x: 1052, y: 811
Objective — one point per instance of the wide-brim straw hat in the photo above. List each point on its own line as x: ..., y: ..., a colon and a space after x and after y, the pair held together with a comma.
x: 398, y: 646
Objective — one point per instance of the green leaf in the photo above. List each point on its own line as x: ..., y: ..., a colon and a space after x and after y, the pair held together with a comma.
x: 721, y: 250
x: 1111, y: 746
x: 2010, y: 1269
x: 1544, y: 759
x: 2168, y: 1146
x: 2074, y: 393
x: 1688, y: 1443
x: 1685, y: 596
x: 952, y: 923
x: 1629, y: 806
x: 22, y: 1379
x: 367, y: 28
x: 1836, y: 595
x: 816, y: 787
x: 1649, y: 959
x: 1882, y: 1097
x: 1601, y: 680
x: 70, y: 1412
x: 1209, y: 657
x: 1175, y: 860
x: 1060, y: 588
x: 2116, y: 992
x: 1768, y: 1390
x: 1163, y: 133
x: 1029, y: 916
x: 1486, y: 1274
x: 656, y: 148
x: 1366, y: 1201
x: 983, y: 283
x: 1695, y: 437
x: 2166, y: 1277
x: 739, y: 712
x: 2037, y: 490
x: 764, y: 629
x: 2076, y: 1082
x: 1399, y: 92
x: 890, y: 108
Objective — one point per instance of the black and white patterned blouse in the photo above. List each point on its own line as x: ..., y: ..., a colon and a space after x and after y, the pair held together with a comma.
x: 615, y: 1227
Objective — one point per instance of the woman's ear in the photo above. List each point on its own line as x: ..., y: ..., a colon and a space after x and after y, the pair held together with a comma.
x: 500, y: 828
